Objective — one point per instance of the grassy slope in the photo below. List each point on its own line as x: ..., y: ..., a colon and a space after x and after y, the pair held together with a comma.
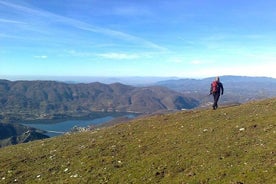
x: 229, y: 145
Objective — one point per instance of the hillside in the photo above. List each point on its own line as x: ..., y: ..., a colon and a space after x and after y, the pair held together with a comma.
x: 232, y: 145
x: 15, y: 133
x: 238, y: 89
x: 20, y: 100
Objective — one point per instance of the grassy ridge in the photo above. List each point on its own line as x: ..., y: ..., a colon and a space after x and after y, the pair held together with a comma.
x: 230, y: 145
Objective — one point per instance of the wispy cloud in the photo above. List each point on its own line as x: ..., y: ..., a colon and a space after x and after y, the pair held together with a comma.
x: 119, y: 56
x: 76, y: 53
x: 11, y: 21
x: 28, y: 10
x: 116, y: 34
x: 54, y: 19
x: 41, y: 57
x: 109, y: 55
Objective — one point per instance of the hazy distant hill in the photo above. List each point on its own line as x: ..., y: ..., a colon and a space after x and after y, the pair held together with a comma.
x: 45, y: 98
x: 238, y: 89
x: 232, y: 145
x: 14, y: 133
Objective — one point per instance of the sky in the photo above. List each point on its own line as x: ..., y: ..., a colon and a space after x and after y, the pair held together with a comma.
x: 158, y: 38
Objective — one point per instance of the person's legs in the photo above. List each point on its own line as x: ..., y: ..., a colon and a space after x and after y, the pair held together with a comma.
x: 216, y: 98
x: 214, y: 104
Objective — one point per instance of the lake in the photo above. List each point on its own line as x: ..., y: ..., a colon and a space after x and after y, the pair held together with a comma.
x: 59, y: 128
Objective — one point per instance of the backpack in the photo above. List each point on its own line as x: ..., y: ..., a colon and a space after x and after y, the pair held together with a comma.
x: 215, y: 87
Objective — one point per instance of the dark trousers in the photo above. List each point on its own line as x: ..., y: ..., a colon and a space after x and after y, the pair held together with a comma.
x: 216, y: 98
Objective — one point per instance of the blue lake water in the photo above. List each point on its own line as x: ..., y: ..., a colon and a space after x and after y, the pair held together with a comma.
x: 55, y: 129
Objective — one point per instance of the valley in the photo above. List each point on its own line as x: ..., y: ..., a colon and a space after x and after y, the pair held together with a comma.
x: 49, y: 102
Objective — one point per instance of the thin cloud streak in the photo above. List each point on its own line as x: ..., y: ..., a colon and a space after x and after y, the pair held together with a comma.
x: 118, y: 56
x: 117, y: 34
x: 41, y: 57
x: 84, y: 26
x: 177, y: 38
x: 11, y: 21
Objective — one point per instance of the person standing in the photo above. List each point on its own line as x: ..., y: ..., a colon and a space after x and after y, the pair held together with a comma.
x: 215, y: 90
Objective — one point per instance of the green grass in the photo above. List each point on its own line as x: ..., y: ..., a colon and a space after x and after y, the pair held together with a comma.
x: 230, y: 145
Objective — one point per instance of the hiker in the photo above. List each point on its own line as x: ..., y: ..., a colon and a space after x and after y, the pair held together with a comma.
x: 216, y: 90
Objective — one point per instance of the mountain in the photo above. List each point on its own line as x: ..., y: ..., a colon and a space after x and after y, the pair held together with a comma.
x: 134, y: 81
x: 238, y: 89
x: 233, y: 144
x: 11, y: 134
x: 21, y: 100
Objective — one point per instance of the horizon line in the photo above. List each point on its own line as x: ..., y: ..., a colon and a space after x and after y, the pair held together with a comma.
x: 71, y: 77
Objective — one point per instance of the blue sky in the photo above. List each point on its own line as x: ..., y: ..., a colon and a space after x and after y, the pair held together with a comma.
x: 194, y: 39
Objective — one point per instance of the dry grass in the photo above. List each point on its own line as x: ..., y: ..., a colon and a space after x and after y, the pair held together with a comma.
x: 230, y: 145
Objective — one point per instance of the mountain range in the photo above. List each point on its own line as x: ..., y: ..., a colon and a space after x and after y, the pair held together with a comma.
x: 21, y: 100
x: 39, y: 100
x: 238, y: 89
